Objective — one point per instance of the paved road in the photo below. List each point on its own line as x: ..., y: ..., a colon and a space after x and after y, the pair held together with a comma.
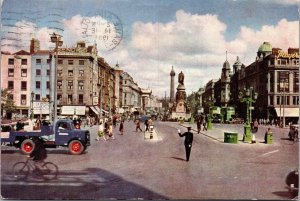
x: 131, y: 167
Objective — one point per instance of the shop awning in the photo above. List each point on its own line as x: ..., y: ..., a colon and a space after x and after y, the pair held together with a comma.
x: 94, y: 110
x: 73, y: 110
x: 98, y: 110
x: 288, y: 112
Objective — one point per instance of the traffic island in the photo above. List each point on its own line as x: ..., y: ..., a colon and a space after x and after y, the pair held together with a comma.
x: 230, y: 137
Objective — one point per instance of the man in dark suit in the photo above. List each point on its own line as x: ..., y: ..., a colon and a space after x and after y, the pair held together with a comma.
x: 187, y: 142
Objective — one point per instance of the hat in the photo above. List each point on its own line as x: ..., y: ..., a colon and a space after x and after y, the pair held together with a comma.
x: 189, y: 127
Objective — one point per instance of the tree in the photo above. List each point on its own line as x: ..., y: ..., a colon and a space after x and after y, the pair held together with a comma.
x: 7, y: 103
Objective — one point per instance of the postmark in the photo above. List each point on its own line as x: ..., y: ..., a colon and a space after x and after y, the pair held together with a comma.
x: 103, y: 28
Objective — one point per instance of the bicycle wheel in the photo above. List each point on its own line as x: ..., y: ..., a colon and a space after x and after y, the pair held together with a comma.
x: 49, y: 171
x: 20, y: 170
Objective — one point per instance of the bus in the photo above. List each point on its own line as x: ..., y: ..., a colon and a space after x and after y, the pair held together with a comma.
x: 228, y: 114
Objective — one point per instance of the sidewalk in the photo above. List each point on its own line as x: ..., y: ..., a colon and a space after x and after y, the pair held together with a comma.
x: 217, y: 134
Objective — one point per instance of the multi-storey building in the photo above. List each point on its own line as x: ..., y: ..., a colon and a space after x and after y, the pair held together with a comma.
x: 40, y: 81
x: 274, y: 75
x: 131, y: 100
x: 16, y: 76
x: 77, y: 79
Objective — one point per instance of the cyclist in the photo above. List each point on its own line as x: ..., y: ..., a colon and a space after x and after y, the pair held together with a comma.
x: 39, y: 153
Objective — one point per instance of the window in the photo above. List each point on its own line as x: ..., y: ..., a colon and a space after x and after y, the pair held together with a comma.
x: 38, y: 61
x: 23, y: 72
x: 271, y: 100
x: 70, y: 73
x: 37, y: 97
x: 48, y: 61
x: 70, y: 99
x: 80, y: 98
x: 23, y: 85
x: 11, y: 72
x: 59, y: 73
x: 295, y: 100
x: 10, y: 85
x: 48, y: 72
x: 81, y: 62
x: 48, y: 96
x: 38, y: 72
x: 272, y: 84
x: 37, y: 84
x: 296, y: 82
x: 60, y: 61
x: 80, y: 85
x: 48, y: 85
x: 277, y: 100
x: 81, y: 73
x: 70, y: 62
x: 23, y: 99
x: 70, y: 84
x: 282, y: 81
x: 59, y: 84
x: 24, y: 61
x: 11, y: 61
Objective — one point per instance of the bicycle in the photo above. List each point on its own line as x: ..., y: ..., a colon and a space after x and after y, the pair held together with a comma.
x: 47, y: 170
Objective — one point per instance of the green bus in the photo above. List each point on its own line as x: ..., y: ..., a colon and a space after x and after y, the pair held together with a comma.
x: 228, y: 114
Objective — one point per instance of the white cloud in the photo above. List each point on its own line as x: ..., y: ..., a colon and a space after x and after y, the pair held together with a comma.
x: 194, y: 44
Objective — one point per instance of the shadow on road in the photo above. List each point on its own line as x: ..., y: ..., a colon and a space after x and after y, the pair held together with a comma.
x: 91, y: 183
x: 181, y: 159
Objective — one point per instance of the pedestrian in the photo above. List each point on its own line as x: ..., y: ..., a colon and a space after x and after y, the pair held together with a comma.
x: 146, y: 125
x: 268, y: 132
x: 100, y: 131
x: 38, y: 123
x: 138, y: 125
x: 187, y: 142
x: 204, y: 122
x: 19, y: 126
x: 199, y: 124
x: 121, y: 128
x: 255, y: 126
x: 110, y: 130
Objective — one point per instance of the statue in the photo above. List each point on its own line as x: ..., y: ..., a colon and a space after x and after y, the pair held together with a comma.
x: 181, y: 78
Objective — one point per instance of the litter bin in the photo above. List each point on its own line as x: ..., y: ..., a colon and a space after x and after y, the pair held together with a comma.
x: 269, y: 138
x: 230, y: 137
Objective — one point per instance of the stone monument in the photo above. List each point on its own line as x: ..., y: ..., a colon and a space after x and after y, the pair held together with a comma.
x: 179, y: 109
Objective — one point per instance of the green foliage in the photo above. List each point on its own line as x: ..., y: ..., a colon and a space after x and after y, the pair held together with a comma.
x: 9, y: 104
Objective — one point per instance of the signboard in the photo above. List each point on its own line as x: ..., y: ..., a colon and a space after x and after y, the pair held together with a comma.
x: 73, y: 110
x: 40, y: 107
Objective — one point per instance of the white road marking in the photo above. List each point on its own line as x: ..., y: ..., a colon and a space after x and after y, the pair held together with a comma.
x: 271, y: 152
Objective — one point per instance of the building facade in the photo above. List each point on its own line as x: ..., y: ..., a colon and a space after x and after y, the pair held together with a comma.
x: 16, y: 77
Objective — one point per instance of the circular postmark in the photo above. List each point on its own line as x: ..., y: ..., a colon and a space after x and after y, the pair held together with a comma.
x: 103, y: 28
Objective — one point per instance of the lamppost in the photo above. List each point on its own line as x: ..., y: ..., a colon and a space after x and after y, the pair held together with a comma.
x: 100, y: 85
x: 248, y: 96
x: 31, y: 105
x: 55, y: 38
x: 210, y: 103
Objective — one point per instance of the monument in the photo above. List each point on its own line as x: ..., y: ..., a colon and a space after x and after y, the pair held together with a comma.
x: 179, y: 109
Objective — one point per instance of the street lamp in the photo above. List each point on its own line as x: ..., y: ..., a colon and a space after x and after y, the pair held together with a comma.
x: 210, y: 103
x: 248, y: 96
x: 31, y: 105
x: 55, y: 38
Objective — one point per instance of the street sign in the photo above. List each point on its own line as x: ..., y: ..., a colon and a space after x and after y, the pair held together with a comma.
x: 251, y: 108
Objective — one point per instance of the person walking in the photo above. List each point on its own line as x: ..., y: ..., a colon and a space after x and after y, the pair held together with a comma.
x: 187, y: 142
x: 121, y: 128
x: 138, y: 125
x: 100, y: 131
x: 204, y: 122
x: 199, y: 124
x: 146, y: 125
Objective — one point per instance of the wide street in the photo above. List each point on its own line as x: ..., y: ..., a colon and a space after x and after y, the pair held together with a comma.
x: 131, y: 167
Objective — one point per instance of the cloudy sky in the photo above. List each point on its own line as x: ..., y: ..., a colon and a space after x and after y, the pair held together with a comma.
x: 191, y: 35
